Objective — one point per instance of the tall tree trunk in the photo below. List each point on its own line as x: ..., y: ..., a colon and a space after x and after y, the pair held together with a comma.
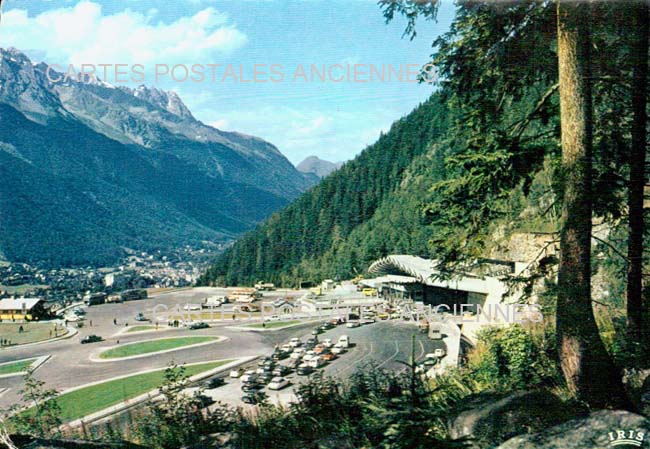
x: 639, y: 50
x: 587, y: 367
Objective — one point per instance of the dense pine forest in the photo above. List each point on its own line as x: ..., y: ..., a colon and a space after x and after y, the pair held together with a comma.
x: 326, y: 216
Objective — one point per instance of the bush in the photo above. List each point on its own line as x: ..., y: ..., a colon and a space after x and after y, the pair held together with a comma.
x: 514, y: 358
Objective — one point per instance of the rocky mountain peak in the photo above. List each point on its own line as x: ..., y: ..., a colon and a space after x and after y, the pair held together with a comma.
x: 317, y: 166
x: 167, y: 100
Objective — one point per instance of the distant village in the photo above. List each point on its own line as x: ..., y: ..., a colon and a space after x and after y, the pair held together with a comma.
x: 139, y: 270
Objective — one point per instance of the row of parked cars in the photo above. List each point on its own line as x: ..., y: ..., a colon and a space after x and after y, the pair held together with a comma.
x: 300, y: 357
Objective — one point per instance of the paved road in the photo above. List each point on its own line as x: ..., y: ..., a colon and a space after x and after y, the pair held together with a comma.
x: 384, y: 344
x: 70, y: 364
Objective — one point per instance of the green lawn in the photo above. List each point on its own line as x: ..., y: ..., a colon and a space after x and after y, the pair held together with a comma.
x: 22, y: 289
x: 15, y: 367
x: 32, y: 332
x: 140, y: 328
x: 273, y: 324
x: 147, y: 347
x: 79, y: 403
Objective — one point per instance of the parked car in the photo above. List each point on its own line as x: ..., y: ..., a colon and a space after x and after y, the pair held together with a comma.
x: 304, y: 369
x: 281, y: 370
x: 317, y: 331
x: 140, y: 317
x: 272, y: 318
x: 279, y: 303
x: 345, y: 341
x: 352, y: 324
x: 265, y: 377
x: 300, y: 351
x: 237, y: 372
x: 287, y: 348
x: 249, y: 376
x: 79, y: 312
x: 428, y: 363
x: 311, y: 342
x: 295, y: 342
x: 249, y: 387
x: 327, y: 343
x: 204, y: 400
x: 254, y: 397
x: 316, y: 361
x: 295, y: 363
x: 199, y: 325
x: 215, y: 382
x: 338, y: 349
x: 279, y: 354
x: 265, y: 361
x: 319, y: 348
x: 278, y: 383
x: 91, y: 339
x: 328, y: 356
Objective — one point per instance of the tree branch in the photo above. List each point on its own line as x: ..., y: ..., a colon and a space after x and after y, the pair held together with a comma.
x: 520, y: 126
x: 612, y: 247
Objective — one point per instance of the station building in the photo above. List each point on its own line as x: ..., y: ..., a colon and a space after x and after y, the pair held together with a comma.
x: 19, y: 309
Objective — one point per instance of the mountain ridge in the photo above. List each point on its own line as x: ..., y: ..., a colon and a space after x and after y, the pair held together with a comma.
x: 139, y: 170
x: 318, y: 166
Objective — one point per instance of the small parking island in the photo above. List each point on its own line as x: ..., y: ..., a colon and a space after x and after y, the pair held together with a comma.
x: 155, y: 346
x: 17, y: 367
x: 142, y: 328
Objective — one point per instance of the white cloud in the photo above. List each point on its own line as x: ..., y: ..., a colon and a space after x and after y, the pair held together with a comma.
x: 221, y: 124
x: 83, y: 34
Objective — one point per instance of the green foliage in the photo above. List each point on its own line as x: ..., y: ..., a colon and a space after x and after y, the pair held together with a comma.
x: 177, y: 420
x: 374, y: 408
x: 514, y: 358
x: 44, y: 418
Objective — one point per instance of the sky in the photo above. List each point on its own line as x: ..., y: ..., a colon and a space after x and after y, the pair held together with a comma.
x: 303, y: 74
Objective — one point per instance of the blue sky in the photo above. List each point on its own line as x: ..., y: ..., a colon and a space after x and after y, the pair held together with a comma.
x: 334, y: 120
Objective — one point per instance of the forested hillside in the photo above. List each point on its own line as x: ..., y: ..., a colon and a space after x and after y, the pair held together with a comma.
x: 328, y: 214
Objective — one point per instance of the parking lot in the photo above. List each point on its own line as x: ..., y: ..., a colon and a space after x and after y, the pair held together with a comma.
x: 384, y: 344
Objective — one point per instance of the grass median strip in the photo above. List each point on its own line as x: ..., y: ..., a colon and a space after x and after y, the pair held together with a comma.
x: 273, y: 324
x: 141, y: 328
x: 147, y: 347
x: 88, y: 400
x: 16, y: 367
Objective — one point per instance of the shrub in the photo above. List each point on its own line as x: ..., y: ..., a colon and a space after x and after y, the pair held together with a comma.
x: 514, y: 358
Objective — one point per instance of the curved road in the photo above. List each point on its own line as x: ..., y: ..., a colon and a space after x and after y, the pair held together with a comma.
x: 383, y: 344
